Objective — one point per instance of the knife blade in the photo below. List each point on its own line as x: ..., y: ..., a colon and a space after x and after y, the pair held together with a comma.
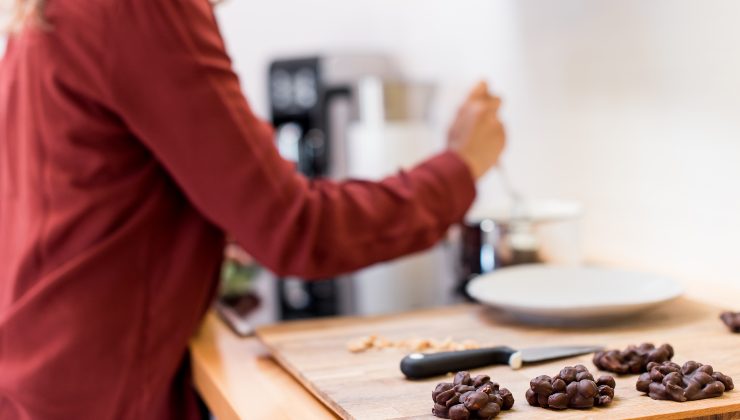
x: 424, y: 365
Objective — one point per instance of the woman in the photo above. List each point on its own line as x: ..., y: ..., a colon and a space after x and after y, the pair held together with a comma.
x: 127, y: 152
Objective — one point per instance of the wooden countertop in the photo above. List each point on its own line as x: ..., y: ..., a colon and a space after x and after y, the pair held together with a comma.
x: 238, y: 379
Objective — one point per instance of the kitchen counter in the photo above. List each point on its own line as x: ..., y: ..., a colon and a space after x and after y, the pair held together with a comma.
x: 238, y: 379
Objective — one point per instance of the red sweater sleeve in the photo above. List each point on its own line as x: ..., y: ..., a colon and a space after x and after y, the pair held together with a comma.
x: 173, y: 86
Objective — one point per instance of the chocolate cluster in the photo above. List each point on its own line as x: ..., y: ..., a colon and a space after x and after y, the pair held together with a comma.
x: 573, y: 387
x: 692, y: 381
x: 633, y: 359
x: 732, y: 320
x: 470, y: 398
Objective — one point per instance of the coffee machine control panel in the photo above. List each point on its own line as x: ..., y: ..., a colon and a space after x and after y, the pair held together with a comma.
x: 296, y: 97
x: 294, y: 86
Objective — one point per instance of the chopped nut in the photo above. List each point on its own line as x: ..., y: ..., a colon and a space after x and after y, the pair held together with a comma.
x: 416, y: 344
x: 361, y: 344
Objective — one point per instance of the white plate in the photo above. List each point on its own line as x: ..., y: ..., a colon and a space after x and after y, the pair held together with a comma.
x: 537, y: 210
x: 551, y: 294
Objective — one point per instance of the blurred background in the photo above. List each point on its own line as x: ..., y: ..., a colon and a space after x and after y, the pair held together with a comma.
x: 628, y: 108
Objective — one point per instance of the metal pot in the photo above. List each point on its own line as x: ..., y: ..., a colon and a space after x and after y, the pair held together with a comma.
x: 546, y: 233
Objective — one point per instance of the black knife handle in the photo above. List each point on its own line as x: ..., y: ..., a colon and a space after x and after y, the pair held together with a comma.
x: 424, y: 365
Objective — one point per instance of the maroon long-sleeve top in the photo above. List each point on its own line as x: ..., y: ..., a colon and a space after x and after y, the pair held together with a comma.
x: 127, y: 151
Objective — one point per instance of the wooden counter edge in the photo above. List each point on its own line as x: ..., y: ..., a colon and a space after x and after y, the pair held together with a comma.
x: 237, y: 378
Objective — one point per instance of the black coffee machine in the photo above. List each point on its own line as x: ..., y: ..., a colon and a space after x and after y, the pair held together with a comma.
x: 312, y: 102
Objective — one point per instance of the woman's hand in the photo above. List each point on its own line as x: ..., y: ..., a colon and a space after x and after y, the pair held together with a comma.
x: 476, y: 134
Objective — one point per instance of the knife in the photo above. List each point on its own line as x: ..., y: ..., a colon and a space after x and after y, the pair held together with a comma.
x: 424, y: 365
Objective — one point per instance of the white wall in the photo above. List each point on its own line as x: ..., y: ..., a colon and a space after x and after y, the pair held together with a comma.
x: 629, y: 106
x: 434, y: 40
x: 633, y: 107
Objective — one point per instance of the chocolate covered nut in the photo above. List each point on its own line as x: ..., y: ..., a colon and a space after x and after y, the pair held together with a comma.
x: 507, y: 397
x: 459, y: 412
x: 558, y: 385
x: 692, y: 381
x: 573, y: 387
x: 441, y: 387
x: 606, y: 394
x: 531, y: 397
x: 440, y: 411
x: 496, y: 399
x: 466, y: 398
x: 444, y: 396
x: 464, y: 388
x: 580, y: 368
x: 462, y: 378
x: 725, y: 380
x: 587, y: 388
x: 480, y: 380
x: 453, y: 401
x: 732, y: 320
x: 568, y: 374
x: 558, y: 401
x: 476, y: 401
x: 606, y: 380
x: 541, y: 384
x: 584, y: 375
x: 487, y: 388
x: 489, y: 411
x: 633, y: 359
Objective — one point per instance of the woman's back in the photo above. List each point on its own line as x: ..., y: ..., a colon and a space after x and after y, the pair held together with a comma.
x: 106, y: 267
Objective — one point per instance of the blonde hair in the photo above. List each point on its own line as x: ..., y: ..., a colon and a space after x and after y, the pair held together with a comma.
x: 22, y: 12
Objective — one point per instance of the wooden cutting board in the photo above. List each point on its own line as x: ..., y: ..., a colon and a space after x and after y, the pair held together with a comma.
x: 370, y: 385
